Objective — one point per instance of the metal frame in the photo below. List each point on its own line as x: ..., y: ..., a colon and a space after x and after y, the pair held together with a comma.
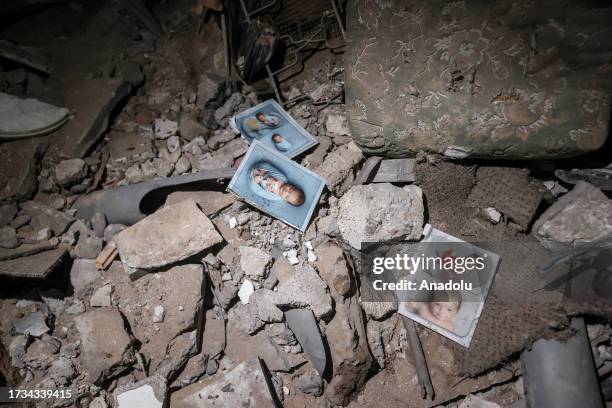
x: 300, y: 45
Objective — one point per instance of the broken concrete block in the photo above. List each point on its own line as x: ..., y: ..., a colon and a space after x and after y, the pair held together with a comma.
x: 171, y: 234
x: 70, y: 172
x: 190, y: 129
x: 381, y: 212
x: 338, y: 169
x: 88, y: 247
x: 98, y: 224
x: 337, y: 124
x: 260, y: 310
x: 105, y: 345
x: 211, y: 202
x: 8, y: 238
x: 149, y: 393
x: 243, y: 386
x: 42, y: 216
x: 178, y: 353
x: 34, y: 324
x: 39, y: 265
x: 179, y: 290
x: 83, y: 274
x: 581, y: 216
x: 7, y: 213
x: 334, y: 270
x: 102, y: 296
x: 254, y: 262
x: 310, y: 383
x: 164, y: 128
x: 214, y: 339
x: 305, y: 289
x: 111, y: 230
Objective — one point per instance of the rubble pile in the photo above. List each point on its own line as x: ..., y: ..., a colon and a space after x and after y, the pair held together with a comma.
x: 209, y: 301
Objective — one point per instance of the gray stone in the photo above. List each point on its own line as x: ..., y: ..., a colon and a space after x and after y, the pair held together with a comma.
x: 83, y: 274
x: 381, y: 212
x: 338, y: 168
x: 61, y: 371
x: 88, y: 247
x: 171, y: 234
x: 7, y: 213
x: 34, y: 324
x: 98, y: 224
x: 227, y: 295
x: 208, y: 89
x: 42, y: 216
x: 243, y: 386
x: 190, y: 128
x: 164, y: 128
x: 104, y: 343
x: 182, y: 165
x: 254, y: 262
x: 102, y: 296
x: 70, y: 172
x: 328, y: 225
x: 260, y: 310
x: 149, y: 393
x: 111, y: 230
x: 337, y: 124
x: 178, y: 353
x: 220, y: 137
x: 19, y: 221
x: 305, y: 289
x: 229, y: 107
x: 310, y: 383
x: 581, y: 216
x: 8, y: 238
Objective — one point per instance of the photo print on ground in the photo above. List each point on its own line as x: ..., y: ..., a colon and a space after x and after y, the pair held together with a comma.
x: 271, y: 125
x: 277, y: 185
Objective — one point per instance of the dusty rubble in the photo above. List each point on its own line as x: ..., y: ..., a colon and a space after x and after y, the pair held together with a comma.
x: 190, y: 306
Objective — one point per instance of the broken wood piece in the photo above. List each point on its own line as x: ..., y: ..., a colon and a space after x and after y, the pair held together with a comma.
x: 24, y: 56
x: 420, y: 363
x: 367, y: 171
x: 107, y: 256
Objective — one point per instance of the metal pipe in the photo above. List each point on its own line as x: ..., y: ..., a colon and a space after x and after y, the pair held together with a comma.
x: 562, y: 374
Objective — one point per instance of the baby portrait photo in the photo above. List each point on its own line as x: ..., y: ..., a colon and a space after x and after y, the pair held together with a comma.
x: 450, y: 312
x: 271, y: 125
x: 277, y: 185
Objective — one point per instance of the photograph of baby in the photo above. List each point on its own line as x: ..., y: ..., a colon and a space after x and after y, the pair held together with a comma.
x: 452, y: 313
x: 271, y: 125
x: 277, y: 185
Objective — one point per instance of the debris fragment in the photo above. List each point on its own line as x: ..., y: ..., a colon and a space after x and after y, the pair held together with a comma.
x: 581, y: 216
x: 254, y: 262
x: 150, y: 393
x: 245, y: 292
x: 171, y: 234
x: 381, y: 212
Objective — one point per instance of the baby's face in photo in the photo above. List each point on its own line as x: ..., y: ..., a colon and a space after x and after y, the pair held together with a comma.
x: 291, y: 194
x: 277, y: 138
x: 261, y: 117
x: 444, y: 310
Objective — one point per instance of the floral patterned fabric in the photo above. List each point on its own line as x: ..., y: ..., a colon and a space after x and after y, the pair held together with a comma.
x: 507, y: 78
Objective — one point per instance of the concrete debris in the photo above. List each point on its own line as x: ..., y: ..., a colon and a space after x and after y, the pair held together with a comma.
x: 172, y: 234
x: 338, y: 125
x: 8, y: 238
x: 305, y: 289
x: 178, y: 353
x: 43, y: 216
x: 334, y: 270
x: 8, y: 212
x: 111, y: 230
x: 260, y: 310
x: 213, y: 341
x: 190, y: 129
x: 310, y: 383
x: 164, y: 128
x: 338, y: 169
x: 83, y: 274
x: 98, y: 224
x: 88, y: 247
x: 379, y: 310
x: 254, y: 262
x: 70, y: 172
x: 159, y: 313
x: 493, y: 215
x: 381, y: 212
x: 34, y: 324
x: 21, y: 263
x: 150, y: 393
x: 245, y: 292
x: 102, y: 296
x: 105, y: 345
x: 243, y: 386
x: 473, y: 401
x: 581, y: 216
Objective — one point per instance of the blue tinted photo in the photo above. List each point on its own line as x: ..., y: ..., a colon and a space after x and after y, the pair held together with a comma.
x: 269, y: 124
x: 278, y: 186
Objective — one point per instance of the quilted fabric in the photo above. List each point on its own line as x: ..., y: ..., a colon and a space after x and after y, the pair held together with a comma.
x: 506, y: 78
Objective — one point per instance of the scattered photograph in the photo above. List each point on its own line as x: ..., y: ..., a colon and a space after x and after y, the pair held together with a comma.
x: 271, y: 125
x: 453, y: 313
x: 277, y: 185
